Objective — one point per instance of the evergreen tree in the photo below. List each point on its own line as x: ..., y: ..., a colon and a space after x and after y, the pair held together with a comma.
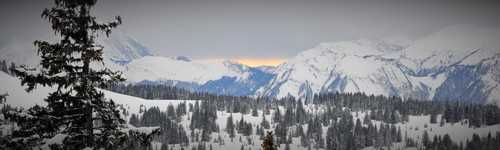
x: 287, y: 146
x: 289, y: 118
x: 171, y: 114
x: 265, y: 123
x: 281, y: 133
x: 299, y: 131
x: 255, y: 113
x: 77, y: 108
x: 300, y: 113
x: 433, y: 118
x: 277, y: 115
x: 12, y: 69
x: 134, y: 120
x: 268, y: 143
x: 230, y: 126
x: 425, y: 139
x: 164, y: 146
x: 3, y: 67
x: 205, y: 136
x: 331, y: 138
x: 359, y: 136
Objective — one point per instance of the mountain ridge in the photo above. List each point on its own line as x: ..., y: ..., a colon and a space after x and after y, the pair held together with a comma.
x: 449, y: 65
x: 461, y: 59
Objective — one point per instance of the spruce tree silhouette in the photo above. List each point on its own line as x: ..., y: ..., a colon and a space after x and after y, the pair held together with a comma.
x: 76, y: 109
x: 268, y: 143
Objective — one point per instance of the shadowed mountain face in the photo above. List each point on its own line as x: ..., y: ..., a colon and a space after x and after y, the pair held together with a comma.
x: 456, y: 63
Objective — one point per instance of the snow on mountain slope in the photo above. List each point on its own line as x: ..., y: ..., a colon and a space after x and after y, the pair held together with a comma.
x: 467, y: 55
x: 157, y: 68
x: 350, y: 66
x: 477, y: 83
x: 460, y: 44
x: 267, y: 69
x: 121, y: 48
x: 457, y: 63
x: 220, y: 77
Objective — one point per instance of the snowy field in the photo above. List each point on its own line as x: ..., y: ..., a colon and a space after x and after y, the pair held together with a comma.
x: 414, y: 128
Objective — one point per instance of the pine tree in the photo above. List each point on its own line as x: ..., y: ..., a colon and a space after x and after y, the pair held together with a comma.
x: 287, y: 146
x: 255, y: 113
x: 12, y: 69
x: 264, y: 123
x: 433, y: 118
x: 205, y: 136
x: 164, y: 146
x: 359, y: 137
x: 171, y: 114
x: 289, y: 118
x: 134, y: 120
x: 3, y: 67
x: 281, y: 133
x: 268, y: 143
x: 183, y: 138
x: 331, y: 138
x: 277, y: 115
x: 77, y: 108
x: 425, y: 139
x: 300, y: 113
x: 230, y: 126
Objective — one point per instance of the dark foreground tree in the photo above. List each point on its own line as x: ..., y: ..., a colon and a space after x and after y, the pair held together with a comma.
x: 268, y: 143
x: 76, y: 110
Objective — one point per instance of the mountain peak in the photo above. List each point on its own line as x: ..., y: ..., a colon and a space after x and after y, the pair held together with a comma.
x: 122, y: 48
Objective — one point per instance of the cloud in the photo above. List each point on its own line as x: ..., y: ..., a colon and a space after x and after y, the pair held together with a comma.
x: 257, y: 29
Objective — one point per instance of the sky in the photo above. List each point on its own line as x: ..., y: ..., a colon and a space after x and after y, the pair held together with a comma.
x: 258, y: 31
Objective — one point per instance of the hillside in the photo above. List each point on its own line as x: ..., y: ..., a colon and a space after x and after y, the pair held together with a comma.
x: 412, y: 129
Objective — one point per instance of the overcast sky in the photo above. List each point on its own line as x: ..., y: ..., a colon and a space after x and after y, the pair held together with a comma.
x: 257, y: 29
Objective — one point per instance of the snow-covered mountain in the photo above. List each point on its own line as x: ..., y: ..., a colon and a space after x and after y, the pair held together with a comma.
x: 221, y: 77
x: 469, y: 58
x: 122, y: 48
x: 456, y: 63
x: 368, y: 66
x: 140, y: 65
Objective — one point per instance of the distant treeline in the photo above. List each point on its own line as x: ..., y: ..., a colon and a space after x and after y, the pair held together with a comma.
x: 288, y: 115
x: 388, y: 109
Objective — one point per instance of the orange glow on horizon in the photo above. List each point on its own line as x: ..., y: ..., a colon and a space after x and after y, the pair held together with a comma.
x: 254, y: 62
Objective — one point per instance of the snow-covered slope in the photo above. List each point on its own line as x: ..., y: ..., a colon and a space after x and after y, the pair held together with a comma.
x: 414, y: 128
x: 456, y: 63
